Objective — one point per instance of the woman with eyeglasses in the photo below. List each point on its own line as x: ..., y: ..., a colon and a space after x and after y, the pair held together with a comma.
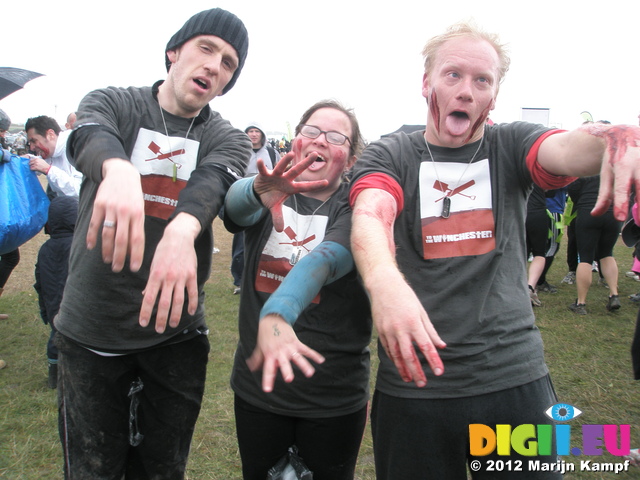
x: 301, y: 369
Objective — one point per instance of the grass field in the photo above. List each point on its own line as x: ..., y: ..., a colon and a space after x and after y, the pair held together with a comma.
x: 588, y: 356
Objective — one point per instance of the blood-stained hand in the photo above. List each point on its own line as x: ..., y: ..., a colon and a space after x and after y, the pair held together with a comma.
x: 620, y: 172
x: 404, y: 328
x: 275, y: 186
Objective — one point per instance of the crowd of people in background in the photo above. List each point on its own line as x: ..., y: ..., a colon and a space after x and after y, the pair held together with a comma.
x: 590, y: 242
x: 282, y: 146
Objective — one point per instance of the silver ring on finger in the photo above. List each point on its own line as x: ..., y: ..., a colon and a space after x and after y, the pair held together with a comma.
x: 109, y: 224
x: 294, y: 355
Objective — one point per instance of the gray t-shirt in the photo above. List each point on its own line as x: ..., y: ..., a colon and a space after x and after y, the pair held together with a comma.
x: 468, y: 270
x: 100, y: 308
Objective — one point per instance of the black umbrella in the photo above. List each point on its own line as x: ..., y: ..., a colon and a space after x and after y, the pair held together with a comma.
x: 13, y: 79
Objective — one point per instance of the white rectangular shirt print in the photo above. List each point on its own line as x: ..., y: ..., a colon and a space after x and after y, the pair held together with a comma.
x: 165, y: 165
x: 302, y: 233
x: 469, y: 228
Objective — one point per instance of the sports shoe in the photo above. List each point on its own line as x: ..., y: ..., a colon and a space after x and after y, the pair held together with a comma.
x: 237, y: 290
x: 594, y: 267
x: 634, y: 457
x: 633, y: 275
x: 635, y: 298
x: 569, y: 278
x: 613, y: 303
x: 535, y: 301
x: 602, y: 282
x: 579, y: 308
x: 547, y: 288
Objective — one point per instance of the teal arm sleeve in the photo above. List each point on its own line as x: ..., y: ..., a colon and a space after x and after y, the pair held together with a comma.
x: 241, y: 204
x: 326, y: 263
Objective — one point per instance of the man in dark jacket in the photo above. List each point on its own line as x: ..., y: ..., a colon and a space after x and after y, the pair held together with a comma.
x: 52, y: 268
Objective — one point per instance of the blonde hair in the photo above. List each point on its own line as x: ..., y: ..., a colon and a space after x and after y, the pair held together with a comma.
x: 466, y: 29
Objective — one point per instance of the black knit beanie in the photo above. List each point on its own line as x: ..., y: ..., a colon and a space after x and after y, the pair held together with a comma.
x: 216, y: 22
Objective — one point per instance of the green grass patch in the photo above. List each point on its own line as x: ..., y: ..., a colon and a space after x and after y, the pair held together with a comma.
x: 588, y: 357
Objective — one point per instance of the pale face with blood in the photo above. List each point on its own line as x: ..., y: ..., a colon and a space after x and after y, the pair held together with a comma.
x: 333, y: 160
x: 461, y: 90
x: 43, y: 145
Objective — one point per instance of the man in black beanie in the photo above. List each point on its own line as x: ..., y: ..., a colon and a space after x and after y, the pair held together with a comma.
x: 132, y: 337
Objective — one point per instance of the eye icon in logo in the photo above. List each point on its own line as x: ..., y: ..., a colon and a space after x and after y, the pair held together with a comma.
x: 562, y: 412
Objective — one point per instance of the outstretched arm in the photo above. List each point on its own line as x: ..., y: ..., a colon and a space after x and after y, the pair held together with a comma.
x: 398, y: 315
x: 118, y: 215
x: 275, y: 186
x: 611, y: 150
x: 277, y: 344
x: 173, y: 272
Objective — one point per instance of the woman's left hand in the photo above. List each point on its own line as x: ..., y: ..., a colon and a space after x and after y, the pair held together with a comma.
x: 277, y: 346
x: 275, y: 186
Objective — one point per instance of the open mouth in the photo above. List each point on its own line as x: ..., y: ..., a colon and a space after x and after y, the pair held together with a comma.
x: 460, y: 115
x: 458, y: 122
x: 201, y: 83
x: 319, y: 163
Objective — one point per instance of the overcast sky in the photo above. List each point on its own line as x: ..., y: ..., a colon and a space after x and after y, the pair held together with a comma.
x: 566, y: 56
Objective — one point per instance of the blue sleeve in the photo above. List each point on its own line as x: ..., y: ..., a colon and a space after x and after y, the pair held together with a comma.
x: 326, y: 263
x: 241, y: 204
x: 6, y: 156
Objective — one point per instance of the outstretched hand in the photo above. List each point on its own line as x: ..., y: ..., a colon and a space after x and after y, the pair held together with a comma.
x: 174, y: 272
x: 118, y: 213
x: 276, y: 347
x: 620, y: 170
x: 275, y: 186
x: 404, y: 328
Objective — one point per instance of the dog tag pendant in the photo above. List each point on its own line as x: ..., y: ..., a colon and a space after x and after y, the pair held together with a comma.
x: 446, y: 207
x: 295, y: 256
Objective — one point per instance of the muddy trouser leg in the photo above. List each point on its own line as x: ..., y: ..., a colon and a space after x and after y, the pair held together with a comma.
x: 93, y: 411
x: 107, y: 403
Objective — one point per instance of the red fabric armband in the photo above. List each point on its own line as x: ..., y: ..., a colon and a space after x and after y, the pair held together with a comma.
x: 540, y: 176
x: 380, y: 181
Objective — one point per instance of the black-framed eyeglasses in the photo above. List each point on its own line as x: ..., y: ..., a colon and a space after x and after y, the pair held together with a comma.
x: 335, y: 138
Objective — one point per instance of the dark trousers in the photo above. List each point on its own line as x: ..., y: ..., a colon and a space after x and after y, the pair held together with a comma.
x: 129, y: 416
x: 572, y: 247
x: 328, y: 446
x: 52, y: 349
x: 429, y: 439
x: 8, y: 261
x: 237, y: 258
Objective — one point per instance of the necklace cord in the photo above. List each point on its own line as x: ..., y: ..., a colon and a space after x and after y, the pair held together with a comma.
x: 446, y: 201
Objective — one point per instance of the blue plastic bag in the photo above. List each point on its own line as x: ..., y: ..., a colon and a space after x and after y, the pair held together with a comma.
x: 24, y: 205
